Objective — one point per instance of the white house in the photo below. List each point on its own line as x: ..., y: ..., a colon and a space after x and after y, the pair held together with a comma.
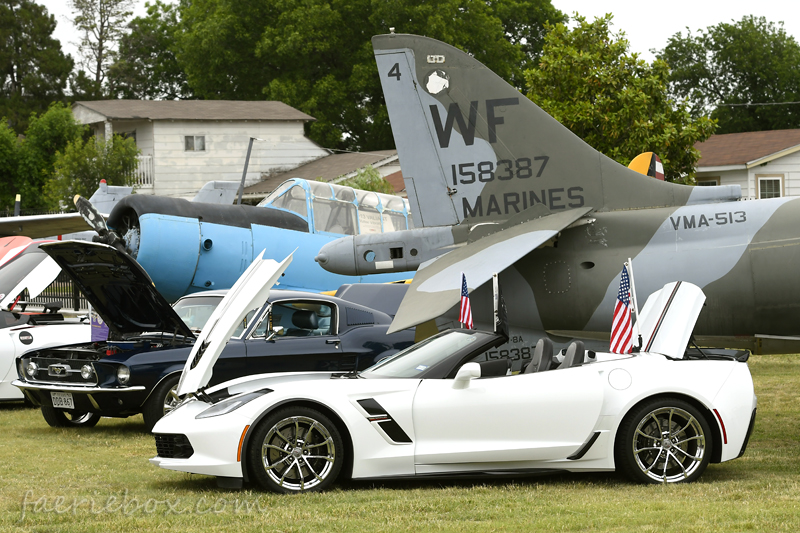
x: 765, y: 163
x: 187, y: 143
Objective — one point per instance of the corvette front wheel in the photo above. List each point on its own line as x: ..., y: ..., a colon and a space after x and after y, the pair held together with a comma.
x: 296, y: 449
x: 666, y: 440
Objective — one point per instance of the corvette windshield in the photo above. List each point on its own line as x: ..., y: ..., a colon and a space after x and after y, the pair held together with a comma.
x: 421, y: 356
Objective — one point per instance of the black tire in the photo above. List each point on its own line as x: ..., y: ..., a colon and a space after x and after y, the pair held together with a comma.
x: 666, y: 440
x: 162, y: 400
x: 63, y: 418
x: 296, y: 449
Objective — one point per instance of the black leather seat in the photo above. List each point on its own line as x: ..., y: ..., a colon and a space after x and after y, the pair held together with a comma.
x: 495, y: 368
x: 304, y: 323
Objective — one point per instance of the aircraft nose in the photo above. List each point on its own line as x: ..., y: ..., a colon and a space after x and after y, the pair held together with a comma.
x: 339, y: 257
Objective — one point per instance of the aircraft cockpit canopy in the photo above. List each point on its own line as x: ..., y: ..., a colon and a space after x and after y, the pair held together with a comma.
x: 331, y: 208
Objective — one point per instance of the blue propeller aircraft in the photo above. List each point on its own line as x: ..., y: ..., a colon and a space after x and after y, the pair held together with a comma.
x: 189, y: 247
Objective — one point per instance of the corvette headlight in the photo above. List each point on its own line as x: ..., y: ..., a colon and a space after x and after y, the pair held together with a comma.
x: 226, y: 406
x: 123, y: 374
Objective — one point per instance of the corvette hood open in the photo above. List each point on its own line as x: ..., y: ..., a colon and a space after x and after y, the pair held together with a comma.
x: 251, y: 290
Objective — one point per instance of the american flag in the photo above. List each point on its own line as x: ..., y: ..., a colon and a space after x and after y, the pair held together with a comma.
x: 622, y: 325
x: 466, y: 311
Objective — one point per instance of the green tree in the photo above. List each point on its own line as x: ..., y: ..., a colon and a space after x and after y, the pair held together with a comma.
x: 101, y: 23
x: 751, y: 61
x: 146, y: 67
x: 368, y: 179
x: 316, y: 55
x: 9, y: 165
x: 616, y: 102
x: 33, y: 69
x: 48, y: 134
x: 83, y: 163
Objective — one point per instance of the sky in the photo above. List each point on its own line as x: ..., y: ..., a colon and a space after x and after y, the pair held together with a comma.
x: 649, y: 28
x: 645, y: 27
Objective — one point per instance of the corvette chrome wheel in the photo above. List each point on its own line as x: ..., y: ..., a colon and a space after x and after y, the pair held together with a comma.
x: 666, y: 441
x: 296, y: 450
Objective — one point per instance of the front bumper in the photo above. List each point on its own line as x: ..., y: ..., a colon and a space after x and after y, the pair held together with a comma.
x: 214, y: 441
x: 106, y: 401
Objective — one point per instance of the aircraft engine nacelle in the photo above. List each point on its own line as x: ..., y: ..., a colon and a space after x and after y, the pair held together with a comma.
x: 187, y: 247
x: 398, y: 251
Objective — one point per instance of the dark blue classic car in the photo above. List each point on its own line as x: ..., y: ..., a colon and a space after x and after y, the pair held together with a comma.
x: 137, y: 369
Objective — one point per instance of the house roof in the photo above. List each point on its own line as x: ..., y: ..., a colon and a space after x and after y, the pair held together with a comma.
x: 747, y: 149
x: 194, y: 110
x: 396, y: 181
x: 324, y: 168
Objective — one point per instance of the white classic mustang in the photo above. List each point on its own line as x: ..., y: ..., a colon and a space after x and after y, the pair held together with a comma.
x: 442, y: 408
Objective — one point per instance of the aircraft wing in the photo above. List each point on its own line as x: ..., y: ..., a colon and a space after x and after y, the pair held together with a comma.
x: 40, y: 226
x: 437, y: 284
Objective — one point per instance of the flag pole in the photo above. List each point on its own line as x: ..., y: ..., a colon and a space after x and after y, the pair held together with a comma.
x: 635, y: 304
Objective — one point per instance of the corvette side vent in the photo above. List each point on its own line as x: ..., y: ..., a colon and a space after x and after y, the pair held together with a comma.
x: 357, y: 317
x: 173, y: 446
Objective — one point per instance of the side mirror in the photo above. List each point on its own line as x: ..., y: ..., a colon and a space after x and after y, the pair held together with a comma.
x: 275, y: 331
x: 465, y: 374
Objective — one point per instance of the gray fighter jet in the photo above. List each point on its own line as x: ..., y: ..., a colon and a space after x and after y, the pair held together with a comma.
x: 497, y: 185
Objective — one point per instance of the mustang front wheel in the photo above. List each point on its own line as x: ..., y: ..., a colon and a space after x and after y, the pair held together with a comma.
x: 163, y: 400
x: 60, y: 418
x: 664, y: 441
x: 296, y: 449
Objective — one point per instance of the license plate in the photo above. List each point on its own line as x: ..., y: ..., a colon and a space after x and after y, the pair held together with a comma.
x: 62, y: 400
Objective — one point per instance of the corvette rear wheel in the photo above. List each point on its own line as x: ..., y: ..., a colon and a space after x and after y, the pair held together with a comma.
x: 296, y: 449
x: 664, y: 441
x: 60, y: 418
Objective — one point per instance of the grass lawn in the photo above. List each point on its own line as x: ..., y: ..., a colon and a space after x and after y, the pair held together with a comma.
x: 100, y: 480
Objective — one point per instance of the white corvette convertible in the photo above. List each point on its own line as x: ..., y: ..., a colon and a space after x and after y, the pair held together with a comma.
x: 441, y: 408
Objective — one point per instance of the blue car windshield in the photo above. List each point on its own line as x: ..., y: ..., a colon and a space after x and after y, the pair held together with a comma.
x: 421, y: 356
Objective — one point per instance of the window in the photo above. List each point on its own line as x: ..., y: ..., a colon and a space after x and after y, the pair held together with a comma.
x: 707, y: 182
x: 298, y: 319
x: 195, y: 143
x: 333, y: 216
x: 128, y: 135
x: 770, y: 186
x: 293, y: 200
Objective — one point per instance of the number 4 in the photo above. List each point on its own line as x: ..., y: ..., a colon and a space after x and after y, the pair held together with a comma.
x: 395, y: 71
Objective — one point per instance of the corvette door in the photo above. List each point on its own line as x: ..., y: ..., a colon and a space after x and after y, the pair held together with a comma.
x: 504, y: 420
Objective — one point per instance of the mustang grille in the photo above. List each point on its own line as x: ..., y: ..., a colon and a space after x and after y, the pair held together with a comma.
x: 173, y: 446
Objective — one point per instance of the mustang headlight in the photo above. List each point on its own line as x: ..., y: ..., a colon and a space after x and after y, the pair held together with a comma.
x: 31, y: 369
x: 87, y: 371
x: 232, y: 404
x: 123, y: 374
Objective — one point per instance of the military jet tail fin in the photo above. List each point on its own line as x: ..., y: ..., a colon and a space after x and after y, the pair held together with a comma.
x: 475, y: 149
